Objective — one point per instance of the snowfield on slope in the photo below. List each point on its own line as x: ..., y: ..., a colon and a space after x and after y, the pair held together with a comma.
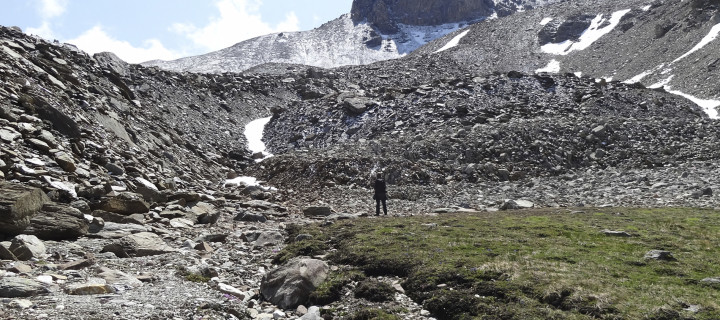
x: 454, y: 42
x: 712, y: 35
x: 254, y: 134
x: 592, y: 34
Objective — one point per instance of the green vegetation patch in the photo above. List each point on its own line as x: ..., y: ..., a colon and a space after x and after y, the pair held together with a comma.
x: 331, y: 289
x: 315, y: 244
x: 191, y: 276
x: 544, y: 263
x: 373, y: 314
x: 375, y: 291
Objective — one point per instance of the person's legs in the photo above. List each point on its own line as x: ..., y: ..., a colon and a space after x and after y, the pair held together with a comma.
x: 384, y: 207
x: 377, y: 207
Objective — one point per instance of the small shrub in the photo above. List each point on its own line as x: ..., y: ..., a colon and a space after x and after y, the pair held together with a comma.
x: 191, y: 276
x: 452, y: 304
x: 373, y: 314
x: 375, y: 291
x: 308, y: 247
x: 194, y: 277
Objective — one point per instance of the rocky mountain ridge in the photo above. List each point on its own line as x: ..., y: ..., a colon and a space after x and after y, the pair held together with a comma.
x: 373, y: 31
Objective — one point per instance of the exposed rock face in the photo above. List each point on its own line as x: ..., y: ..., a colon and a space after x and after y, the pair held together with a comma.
x: 386, y: 14
x: 557, y: 31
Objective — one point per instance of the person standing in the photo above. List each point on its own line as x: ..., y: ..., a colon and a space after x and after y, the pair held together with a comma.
x: 380, y: 194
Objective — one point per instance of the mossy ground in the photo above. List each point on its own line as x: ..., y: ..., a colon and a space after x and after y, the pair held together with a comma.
x: 542, y: 264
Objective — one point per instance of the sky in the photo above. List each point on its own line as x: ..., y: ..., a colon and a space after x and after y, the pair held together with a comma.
x: 143, y: 30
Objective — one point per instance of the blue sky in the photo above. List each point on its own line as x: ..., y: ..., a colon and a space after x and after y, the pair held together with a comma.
x: 142, y: 30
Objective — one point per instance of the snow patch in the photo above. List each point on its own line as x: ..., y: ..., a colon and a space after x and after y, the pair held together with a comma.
x: 592, y: 34
x: 712, y: 35
x: 709, y: 106
x: 62, y: 185
x: 254, y: 133
x: 552, y: 67
x: 646, y: 8
x: 578, y: 74
x: 146, y: 183
x: 545, y: 21
x: 637, y: 78
x: 247, y: 181
x: 454, y: 42
x: 35, y: 161
x: 662, y: 83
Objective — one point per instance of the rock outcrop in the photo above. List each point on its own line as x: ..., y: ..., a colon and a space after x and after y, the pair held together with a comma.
x: 387, y: 14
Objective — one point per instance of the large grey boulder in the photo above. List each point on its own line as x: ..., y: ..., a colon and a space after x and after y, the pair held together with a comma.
x: 268, y: 239
x: 138, y: 245
x: 15, y: 287
x: 659, y: 255
x: 149, y: 191
x: 356, y: 106
x: 65, y: 161
x: 126, y: 203
x: 26, y: 247
x: 291, y: 285
x: 18, y: 204
x: 58, y: 222
x: 205, y: 213
x: 118, y: 278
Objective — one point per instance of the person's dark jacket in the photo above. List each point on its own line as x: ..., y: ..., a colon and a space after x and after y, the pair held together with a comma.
x: 380, y: 190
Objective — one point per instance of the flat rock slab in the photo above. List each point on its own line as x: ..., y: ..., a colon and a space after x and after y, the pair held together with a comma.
x: 612, y: 233
x: 317, y: 211
x: 15, y: 287
x: 90, y: 289
x: 139, y: 245
x: 119, y: 277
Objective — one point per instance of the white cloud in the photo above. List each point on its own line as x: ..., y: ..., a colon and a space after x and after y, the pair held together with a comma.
x: 52, y: 8
x: 239, y: 20
x: 97, y: 40
x: 43, y: 31
x: 47, y: 9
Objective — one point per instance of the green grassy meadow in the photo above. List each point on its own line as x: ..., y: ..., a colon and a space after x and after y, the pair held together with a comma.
x: 537, y: 264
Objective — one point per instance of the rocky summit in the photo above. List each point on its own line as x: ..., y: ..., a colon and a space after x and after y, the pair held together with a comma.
x: 133, y: 192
